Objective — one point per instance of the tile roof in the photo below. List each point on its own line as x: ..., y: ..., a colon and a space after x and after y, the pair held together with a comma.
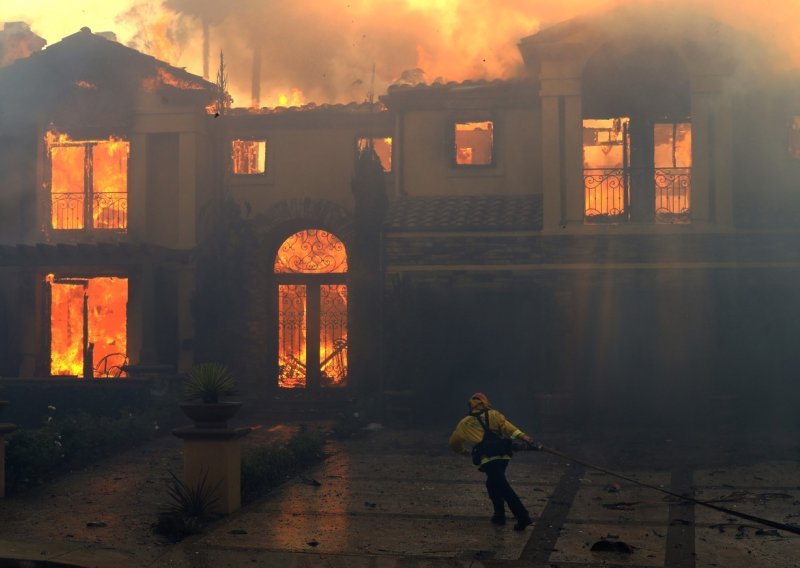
x: 454, y: 85
x: 353, y: 107
x: 465, y: 213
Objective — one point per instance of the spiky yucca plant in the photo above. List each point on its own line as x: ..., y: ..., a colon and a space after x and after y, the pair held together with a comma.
x: 208, y: 382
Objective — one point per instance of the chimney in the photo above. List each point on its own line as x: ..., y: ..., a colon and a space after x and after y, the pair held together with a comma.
x: 256, y: 77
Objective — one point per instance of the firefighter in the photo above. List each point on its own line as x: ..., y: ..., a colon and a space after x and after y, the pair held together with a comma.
x: 490, y: 435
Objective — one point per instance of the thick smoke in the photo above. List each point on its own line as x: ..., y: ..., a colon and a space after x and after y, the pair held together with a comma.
x: 327, y: 51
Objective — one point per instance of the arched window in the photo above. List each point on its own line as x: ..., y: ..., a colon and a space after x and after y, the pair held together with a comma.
x: 310, y: 270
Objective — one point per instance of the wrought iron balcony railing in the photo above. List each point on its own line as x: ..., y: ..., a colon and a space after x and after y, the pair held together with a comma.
x: 673, y: 195
x: 607, y: 194
x: 103, y: 211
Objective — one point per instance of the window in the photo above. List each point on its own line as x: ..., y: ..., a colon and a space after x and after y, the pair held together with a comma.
x: 606, y: 153
x: 652, y: 183
x: 310, y: 270
x: 474, y: 143
x: 672, y: 174
x: 794, y: 138
x: 382, y: 147
x: 88, y: 183
x: 88, y: 326
x: 249, y: 157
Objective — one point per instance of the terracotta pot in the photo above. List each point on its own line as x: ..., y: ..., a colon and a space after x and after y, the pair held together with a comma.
x: 210, y: 414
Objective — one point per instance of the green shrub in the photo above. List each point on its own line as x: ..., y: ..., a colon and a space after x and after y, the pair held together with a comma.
x: 348, y: 425
x: 209, y: 382
x: 266, y: 467
x: 70, y: 440
x: 189, y: 510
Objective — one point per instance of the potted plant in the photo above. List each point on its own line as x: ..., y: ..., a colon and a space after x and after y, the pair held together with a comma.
x: 205, y: 386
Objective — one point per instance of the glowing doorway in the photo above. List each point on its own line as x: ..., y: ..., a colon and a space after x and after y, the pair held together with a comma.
x: 310, y: 270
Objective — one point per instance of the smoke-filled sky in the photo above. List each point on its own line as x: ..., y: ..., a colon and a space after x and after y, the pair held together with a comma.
x: 325, y: 51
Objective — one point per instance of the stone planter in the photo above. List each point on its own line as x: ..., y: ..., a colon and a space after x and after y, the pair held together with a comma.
x: 210, y: 414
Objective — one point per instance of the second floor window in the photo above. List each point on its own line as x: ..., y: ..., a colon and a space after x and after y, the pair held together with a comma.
x: 249, y: 157
x: 474, y: 143
x: 637, y: 171
x: 88, y: 183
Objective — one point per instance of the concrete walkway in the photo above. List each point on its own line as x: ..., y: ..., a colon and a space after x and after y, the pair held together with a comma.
x: 399, y: 498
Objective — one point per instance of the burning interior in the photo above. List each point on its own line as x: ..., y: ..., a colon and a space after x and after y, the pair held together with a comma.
x: 249, y: 157
x: 88, y: 183
x: 609, y: 174
x: 310, y: 269
x: 474, y: 143
x: 87, y: 326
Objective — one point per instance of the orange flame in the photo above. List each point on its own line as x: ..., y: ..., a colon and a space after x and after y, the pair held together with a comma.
x: 94, y: 305
x: 106, y: 162
x: 312, y: 252
x: 165, y: 78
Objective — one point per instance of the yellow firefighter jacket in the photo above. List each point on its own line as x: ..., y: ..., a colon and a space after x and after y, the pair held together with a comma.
x: 470, y: 431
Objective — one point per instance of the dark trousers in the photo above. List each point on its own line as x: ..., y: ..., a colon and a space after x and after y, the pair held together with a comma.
x: 500, y: 491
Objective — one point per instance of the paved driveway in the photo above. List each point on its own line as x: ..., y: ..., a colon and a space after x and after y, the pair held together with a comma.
x: 400, y: 498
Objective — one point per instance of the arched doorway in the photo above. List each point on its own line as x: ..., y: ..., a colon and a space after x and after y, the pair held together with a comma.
x: 311, y: 279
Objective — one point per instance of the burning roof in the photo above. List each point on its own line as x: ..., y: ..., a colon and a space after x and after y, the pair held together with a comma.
x: 87, y: 80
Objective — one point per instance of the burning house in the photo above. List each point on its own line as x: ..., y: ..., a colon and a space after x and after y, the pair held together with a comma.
x: 101, y: 175
x: 615, y: 227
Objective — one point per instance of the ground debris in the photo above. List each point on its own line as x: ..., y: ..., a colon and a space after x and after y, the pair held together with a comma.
x: 614, y: 488
x: 309, y: 480
x: 96, y: 524
x: 312, y: 543
x: 622, y: 505
x: 617, y: 546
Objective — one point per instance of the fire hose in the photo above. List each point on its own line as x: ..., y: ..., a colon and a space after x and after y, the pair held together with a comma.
x: 753, y: 518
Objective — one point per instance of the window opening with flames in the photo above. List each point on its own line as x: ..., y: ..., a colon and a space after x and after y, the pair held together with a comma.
x: 311, y: 268
x: 383, y: 149
x: 88, y: 326
x: 249, y: 157
x: 606, y: 157
x: 672, y: 174
x: 610, y: 177
x: 88, y: 183
x: 474, y: 143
